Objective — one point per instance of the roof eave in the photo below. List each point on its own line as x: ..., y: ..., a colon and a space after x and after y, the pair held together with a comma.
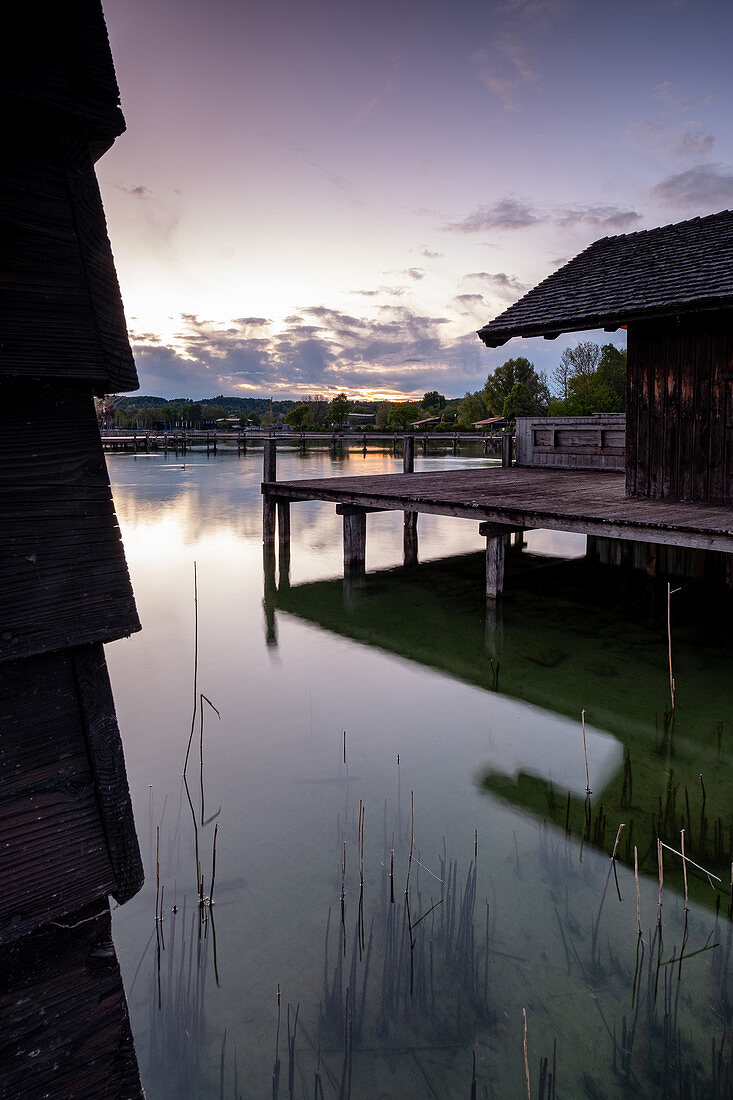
x: 496, y: 337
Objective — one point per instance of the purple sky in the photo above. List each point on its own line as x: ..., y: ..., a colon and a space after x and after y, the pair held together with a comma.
x: 314, y: 196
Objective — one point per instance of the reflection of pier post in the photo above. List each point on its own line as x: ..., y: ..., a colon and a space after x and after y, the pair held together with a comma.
x: 268, y: 602
x: 494, y: 637
x: 410, y: 526
x: 283, y: 536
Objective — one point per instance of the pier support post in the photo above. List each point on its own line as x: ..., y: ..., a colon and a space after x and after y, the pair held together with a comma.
x: 269, y: 474
x: 409, y: 541
x: 506, y: 450
x: 408, y: 454
x: 354, y: 541
x: 495, y: 539
x: 283, y: 534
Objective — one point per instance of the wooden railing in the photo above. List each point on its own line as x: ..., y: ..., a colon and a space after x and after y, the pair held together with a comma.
x: 575, y: 442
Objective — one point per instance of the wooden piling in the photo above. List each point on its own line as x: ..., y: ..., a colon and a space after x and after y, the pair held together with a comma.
x: 410, y: 518
x: 495, y: 538
x: 354, y: 542
x: 408, y: 454
x: 506, y: 450
x: 283, y: 533
x: 409, y: 541
x: 269, y: 474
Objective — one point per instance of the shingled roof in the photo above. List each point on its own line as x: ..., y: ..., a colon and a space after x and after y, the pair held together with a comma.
x: 675, y: 269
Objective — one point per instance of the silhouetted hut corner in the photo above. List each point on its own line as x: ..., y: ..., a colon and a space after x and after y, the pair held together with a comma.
x: 672, y: 289
x: 67, y: 835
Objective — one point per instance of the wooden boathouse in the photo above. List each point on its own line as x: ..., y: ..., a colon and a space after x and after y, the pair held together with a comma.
x: 671, y: 288
x: 67, y: 835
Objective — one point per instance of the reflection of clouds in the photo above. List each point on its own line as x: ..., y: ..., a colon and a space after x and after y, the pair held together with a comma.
x: 164, y: 506
x: 555, y: 544
x: 549, y: 746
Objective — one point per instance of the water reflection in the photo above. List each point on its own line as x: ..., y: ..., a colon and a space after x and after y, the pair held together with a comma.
x: 392, y: 907
x: 570, y: 654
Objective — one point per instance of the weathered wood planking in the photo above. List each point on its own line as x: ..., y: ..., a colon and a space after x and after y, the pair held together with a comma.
x: 578, y: 442
x: 54, y: 856
x: 104, y: 746
x: 61, y: 313
x: 590, y: 502
x: 63, y: 575
x: 60, y: 61
x: 64, y: 1025
x: 679, y: 418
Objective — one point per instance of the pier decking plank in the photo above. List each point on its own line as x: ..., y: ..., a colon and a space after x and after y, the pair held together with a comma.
x: 589, y: 502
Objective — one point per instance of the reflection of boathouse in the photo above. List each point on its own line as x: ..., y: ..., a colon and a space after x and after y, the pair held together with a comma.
x: 67, y: 839
x: 672, y: 289
x: 576, y: 636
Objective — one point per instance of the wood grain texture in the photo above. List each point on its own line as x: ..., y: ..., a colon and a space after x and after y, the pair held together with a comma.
x: 61, y: 313
x: 53, y: 856
x: 64, y: 1025
x: 590, y: 502
x: 107, y: 762
x: 678, y: 426
x: 63, y: 575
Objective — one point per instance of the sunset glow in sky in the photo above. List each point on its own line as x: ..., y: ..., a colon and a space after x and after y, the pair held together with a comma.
x: 315, y: 196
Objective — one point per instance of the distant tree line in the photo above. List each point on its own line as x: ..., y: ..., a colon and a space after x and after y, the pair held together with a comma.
x: 588, y: 379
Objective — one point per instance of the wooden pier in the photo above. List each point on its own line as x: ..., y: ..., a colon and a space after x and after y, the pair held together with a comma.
x: 501, y: 500
x: 181, y: 441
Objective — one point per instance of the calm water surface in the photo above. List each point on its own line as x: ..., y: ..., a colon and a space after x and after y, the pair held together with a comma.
x: 337, y: 726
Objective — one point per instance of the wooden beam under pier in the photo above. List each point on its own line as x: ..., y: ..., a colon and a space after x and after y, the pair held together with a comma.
x: 584, y: 502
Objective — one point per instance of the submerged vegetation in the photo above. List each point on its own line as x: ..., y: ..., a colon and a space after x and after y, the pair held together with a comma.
x: 419, y: 906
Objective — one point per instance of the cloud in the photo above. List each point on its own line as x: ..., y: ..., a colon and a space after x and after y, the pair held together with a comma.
x: 605, y: 217
x: 387, y: 87
x: 470, y: 304
x: 505, y: 214
x: 138, y: 192
x: 706, y: 187
x: 430, y: 255
x: 502, y: 285
x: 340, y: 183
x: 506, y: 66
x: 693, y: 143
x: 670, y: 98
x: 390, y: 291
x: 316, y: 349
x: 515, y: 214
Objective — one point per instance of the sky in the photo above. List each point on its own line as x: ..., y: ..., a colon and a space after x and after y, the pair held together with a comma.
x: 316, y: 196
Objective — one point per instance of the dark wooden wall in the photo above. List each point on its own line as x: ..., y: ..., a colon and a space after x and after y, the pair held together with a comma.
x: 64, y: 1026
x: 680, y: 408
x: 63, y: 574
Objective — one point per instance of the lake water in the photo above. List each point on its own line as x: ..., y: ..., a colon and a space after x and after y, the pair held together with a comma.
x: 413, y: 895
